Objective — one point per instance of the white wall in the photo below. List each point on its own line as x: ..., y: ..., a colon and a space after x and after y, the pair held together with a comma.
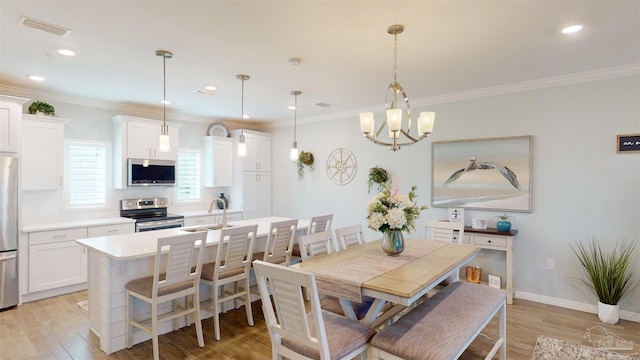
x: 581, y: 187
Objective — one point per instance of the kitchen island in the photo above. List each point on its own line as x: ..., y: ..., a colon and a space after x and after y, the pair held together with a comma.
x: 116, y: 260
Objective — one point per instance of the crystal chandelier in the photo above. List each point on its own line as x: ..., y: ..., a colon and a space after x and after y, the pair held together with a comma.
x: 397, y: 134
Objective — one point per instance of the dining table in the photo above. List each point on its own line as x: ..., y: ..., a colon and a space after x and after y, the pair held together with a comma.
x: 366, y: 270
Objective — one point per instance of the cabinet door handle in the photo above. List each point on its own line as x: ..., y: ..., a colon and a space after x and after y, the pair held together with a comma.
x: 489, y: 241
x: 154, y: 153
x: 149, y: 152
x: 59, y: 236
x: 112, y: 230
x: 60, y: 180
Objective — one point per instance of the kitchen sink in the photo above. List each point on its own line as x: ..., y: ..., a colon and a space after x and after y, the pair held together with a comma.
x: 206, y: 228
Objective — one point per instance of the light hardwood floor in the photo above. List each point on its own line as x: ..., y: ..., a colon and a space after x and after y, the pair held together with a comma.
x: 57, y: 328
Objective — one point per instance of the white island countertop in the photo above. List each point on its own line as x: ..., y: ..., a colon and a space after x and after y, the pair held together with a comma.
x: 143, y: 244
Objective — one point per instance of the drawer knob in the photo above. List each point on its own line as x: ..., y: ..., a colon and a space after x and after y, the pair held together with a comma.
x: 489, y: 241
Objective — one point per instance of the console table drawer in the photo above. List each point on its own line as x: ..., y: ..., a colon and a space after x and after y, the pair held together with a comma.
x: 497, y: 241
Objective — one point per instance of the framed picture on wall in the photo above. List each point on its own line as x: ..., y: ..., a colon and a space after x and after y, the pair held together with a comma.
x: 488, y: 174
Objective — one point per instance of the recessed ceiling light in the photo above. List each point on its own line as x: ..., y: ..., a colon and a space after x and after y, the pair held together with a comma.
x: 167, y: 102
x: 66, y: 52
x: 571, y: 29
x: 36, y: 78
x: 246, y: 116
x: 291, y: 107
x: 210, y: 88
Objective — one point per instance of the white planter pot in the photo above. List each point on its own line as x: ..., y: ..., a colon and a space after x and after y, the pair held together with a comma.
x: 608, y: 314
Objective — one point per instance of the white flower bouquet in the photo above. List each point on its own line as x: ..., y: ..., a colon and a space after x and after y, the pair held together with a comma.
x: 391, y: 210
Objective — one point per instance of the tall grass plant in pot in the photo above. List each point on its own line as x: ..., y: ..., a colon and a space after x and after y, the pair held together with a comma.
x: 611, y: 275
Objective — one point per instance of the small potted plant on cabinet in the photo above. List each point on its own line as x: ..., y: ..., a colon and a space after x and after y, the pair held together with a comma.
x: 40, y: 107
x: 504, y: 223
x: 611, y: 275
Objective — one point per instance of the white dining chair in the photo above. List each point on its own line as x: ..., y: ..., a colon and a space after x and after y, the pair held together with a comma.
x: 178, y: 279
x: 279, y: 244
x: 438, y: 230
x: 232, y: 266
x: 349, y: 236
x: 316, y: 224
x: 296, y: 333
x: 316, y: 244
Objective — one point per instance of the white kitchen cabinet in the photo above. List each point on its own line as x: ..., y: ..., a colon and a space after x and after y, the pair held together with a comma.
x: 42, y: 152
x: 56, y: 260
x: 218, y: 161
x: 10, y: 121
x: 256, y: 195
x: 143, y: 141
x: 137, y: 138
x: 258, y: 151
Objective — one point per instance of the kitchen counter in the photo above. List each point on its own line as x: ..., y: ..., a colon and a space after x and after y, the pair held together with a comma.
x: 116, y: 260
x: 216, y: 211
x: 143, y: 244
x: 75, y: 224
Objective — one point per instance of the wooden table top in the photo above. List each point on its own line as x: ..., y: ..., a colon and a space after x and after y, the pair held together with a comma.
x: 406, y: 280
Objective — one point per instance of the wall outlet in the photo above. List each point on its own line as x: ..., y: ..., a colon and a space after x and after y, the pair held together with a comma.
x: 549, y: 264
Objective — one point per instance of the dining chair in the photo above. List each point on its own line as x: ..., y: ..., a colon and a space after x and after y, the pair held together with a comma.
x: 438, y: 230
x: 349, y: 236
x: 232, y: 265
x: 316, y: 244
x: 178, y: 279
x: 279, y: 243
x: 316, y: 224
x: 321, y: 243
x: 296, y: 334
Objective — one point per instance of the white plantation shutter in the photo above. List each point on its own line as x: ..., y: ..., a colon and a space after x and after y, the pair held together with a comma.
x: 87, y: 173
x: 189, y: 165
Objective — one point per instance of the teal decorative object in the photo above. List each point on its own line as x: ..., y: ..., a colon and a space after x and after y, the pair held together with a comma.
x: 504, y: 223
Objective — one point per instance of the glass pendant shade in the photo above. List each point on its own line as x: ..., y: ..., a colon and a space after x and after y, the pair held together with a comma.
x: 366, y: 122
x: 164, y: 145
x: 426, y: 122
x: 294, y: 151
x: 394, y: 119
x: 242, y: 147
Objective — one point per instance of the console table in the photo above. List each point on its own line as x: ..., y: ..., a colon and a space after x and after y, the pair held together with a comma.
x: 492, y: 239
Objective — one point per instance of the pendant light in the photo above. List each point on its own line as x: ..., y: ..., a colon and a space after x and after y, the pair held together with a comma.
x: 164, y: 145
x: 394, y: 114
x: 242, y: 145
x: 294, y: 148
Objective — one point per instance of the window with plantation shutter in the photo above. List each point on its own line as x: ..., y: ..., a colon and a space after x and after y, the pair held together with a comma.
x: 189, y: 170
x: 87, y: 173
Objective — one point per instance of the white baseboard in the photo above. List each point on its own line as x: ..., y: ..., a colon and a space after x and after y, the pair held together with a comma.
x: 573, y: 305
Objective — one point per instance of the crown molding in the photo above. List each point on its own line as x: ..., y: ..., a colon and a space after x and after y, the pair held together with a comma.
x: 577, y: 78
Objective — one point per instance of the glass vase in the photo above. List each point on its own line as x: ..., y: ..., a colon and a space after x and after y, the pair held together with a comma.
x: 392, y: 242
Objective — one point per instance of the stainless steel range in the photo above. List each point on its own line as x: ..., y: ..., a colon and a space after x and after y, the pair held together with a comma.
x: 150, y: 214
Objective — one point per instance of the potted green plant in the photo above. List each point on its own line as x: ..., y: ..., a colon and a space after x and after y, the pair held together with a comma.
x: 37, y: 107
x: 304, y: 159
x: 377, y: 175
x: 611, y: 275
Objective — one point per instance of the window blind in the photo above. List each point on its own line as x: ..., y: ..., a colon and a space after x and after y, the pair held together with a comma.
x: 87, y: 174
x: 189, y: 165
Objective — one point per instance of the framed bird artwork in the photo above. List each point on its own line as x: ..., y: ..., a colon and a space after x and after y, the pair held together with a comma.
x: 488, y: 174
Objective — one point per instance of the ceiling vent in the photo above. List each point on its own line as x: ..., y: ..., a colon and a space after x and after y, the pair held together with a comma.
x: 43, y: 26
x: 322, y: 104
x: 204, y: 91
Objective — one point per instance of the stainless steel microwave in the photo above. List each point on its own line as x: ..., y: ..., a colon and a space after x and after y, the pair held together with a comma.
x: 145, y: 172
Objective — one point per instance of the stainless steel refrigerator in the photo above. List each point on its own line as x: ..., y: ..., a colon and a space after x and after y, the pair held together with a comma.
x: 8, y: 231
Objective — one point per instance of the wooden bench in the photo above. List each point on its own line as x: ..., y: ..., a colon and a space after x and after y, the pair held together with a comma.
x: 444, y: 325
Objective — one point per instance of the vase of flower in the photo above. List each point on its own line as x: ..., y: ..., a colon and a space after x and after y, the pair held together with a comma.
x: 392, y: 213
x: 393, y: 242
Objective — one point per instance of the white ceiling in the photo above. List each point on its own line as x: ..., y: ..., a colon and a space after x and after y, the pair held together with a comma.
x: 347, y: 56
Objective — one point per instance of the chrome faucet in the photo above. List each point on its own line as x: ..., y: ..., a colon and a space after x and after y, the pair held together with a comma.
x: 224, y: 209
